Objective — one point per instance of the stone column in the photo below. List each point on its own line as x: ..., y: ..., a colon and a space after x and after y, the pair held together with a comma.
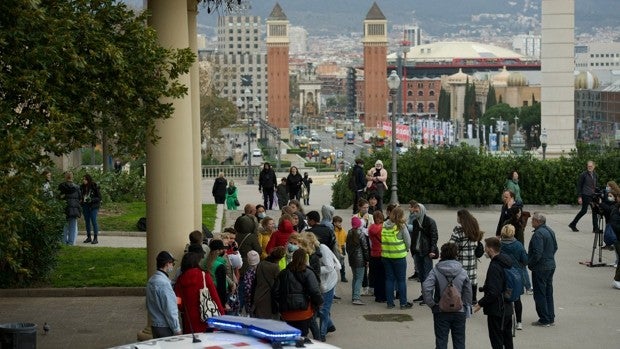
x: 192, y: 12
x: 169, y: 183
x: 557, y: 88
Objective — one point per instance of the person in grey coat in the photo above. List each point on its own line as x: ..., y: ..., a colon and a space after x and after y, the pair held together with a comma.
x: 448, y: 268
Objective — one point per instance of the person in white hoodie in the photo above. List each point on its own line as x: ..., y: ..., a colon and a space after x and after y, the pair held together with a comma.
x: 448, y: 270
x: 330, y: 270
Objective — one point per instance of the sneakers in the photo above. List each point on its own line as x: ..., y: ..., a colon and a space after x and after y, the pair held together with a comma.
x: 419, y: 299
x: 540, y: 324
x: 331, y: 328
x: 336, y: 297
x: 390, y: 306
x: 615, y: 284
x: 358, y: 302
x: 519, y: 326
x: 367, y: 291
x: 573, y: 227
x: 407, y: 305
x: 529, y: 292
x: 414, y: 276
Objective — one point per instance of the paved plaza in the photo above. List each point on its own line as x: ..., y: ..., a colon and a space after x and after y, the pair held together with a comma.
x: 587, y: 307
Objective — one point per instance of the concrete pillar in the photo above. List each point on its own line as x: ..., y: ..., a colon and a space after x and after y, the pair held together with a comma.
x: 192, y: 12
x: 557, y: 88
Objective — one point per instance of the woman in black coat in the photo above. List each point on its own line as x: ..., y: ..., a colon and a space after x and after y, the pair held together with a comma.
x: 90, y: 201
x: 219, y: 189
x: 293, y: 184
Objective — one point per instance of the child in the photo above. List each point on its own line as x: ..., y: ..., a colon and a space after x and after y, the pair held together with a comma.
x: 341, y: 238
x: 282, y: 193
x: 267, y: 227
x: 357, y: 249
x: 247, y: 284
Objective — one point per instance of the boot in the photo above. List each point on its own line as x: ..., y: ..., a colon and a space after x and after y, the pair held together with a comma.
x: 95, y: 241
x: 88, y: 239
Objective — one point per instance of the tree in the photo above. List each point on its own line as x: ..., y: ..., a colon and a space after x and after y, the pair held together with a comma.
x: 72, y: 72
x: 491, y: 99
x: 500, y: 110
x: 444, y: 105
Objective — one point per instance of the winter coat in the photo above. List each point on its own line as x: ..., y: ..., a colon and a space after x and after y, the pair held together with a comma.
x: 324, y: 234
x: 374, y: 236
x: 514, y: 187
x: 219, y: 190
x: 542, y: 249
x: 70, y: 192
x: 493, y: 302
x: 424, y: 234
x: 187, y: 287
x: 296, y: 292
x: 516, y: 251
x: 267, y: 179
x: 467, y: 253
x: 246, y: 239
x: 330, y: 266
x: 280, y: 236
x: 91, y: 196
x: 293, y: 184
x: 266, y: 274
x: 231, y: 198
x: 357, y: 249
x: 263, y: 239
x: 360, y: 178
x: 448, y: 269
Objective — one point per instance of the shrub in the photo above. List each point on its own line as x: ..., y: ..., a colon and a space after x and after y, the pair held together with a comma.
x: 117, y: 187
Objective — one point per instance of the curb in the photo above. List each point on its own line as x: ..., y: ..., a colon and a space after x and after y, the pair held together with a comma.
x: 74, y: 292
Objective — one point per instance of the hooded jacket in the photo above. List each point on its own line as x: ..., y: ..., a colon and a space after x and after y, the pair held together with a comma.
x: 424, y: 234
x: 267, y: 179
x: 433, y: 286
x: 493, y: 302
x: 327, y: 212
x: 246, y: 239
x: 330, y: 266
x: 280, y: 236
x: 70, y: 192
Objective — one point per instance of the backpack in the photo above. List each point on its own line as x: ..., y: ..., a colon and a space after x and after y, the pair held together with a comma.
x: 514, y: 284
x: 450, y: 300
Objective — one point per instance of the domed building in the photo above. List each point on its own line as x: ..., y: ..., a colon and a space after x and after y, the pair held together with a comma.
x: 585, y: 80
x: 597, y: 109
x: 514, y: 89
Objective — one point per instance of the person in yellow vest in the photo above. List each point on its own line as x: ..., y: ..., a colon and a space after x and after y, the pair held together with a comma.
x: 395, y: 242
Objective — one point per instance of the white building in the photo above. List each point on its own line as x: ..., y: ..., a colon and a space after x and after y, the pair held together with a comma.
x: 602, y: 59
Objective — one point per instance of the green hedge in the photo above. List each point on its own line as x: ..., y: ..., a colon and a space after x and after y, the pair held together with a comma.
x: 459, y: 176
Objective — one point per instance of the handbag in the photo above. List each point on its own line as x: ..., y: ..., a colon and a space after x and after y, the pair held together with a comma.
x: 237, y: 203
x: 479, y: 250
x: 609, y: 237
x: 208, y: 308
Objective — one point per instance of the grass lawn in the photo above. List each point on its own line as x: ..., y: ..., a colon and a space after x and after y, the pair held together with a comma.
x: 100, y: 267
x: 124, y: 216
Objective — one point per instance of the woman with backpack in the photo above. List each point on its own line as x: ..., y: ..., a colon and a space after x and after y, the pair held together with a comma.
x: 513, y: 248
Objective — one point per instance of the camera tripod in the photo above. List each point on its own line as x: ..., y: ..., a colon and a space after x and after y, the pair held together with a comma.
x: 598, y: 242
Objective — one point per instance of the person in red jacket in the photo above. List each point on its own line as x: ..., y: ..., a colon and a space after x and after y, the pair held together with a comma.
x: 280, y: 236
x: 188, y: 287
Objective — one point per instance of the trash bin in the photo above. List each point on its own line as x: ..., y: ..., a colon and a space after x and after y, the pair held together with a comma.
x: 18, y: 335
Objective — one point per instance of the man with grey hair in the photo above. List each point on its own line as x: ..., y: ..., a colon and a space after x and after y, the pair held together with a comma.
x: 586, y: 187
x: 541, y: 261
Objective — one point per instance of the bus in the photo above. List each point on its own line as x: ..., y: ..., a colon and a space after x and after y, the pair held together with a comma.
x: 350, y: 137
x: 339, y: 133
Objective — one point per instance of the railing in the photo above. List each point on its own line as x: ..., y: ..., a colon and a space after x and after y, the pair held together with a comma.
x: 230, y: 171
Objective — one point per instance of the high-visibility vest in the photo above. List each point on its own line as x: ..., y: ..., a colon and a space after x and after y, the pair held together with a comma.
x: 391, y: 245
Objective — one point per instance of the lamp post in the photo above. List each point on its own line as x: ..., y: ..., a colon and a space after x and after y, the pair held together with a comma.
x: 393, y: 82
x: 250, y: 179
x: 517, y: 140
x: 543, y: 141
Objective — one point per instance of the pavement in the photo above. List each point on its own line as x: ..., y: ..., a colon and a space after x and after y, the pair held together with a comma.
x: 587, y: 307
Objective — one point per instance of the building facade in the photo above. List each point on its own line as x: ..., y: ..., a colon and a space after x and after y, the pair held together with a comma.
x: 277, y: 70
x: 375, y: 66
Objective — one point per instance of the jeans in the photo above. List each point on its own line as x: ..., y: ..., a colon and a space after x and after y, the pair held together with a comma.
x: 500, y: 331
x: 268, y: 198
x: 326, y: 320
x: 423, y: 265
x: 90, y: 218
x: 445, y: 323
x: 395, y: 270
x: 526, y: 279
x: 70, y: 231
x: 585, y: 202
x: 542, y: 281
x: 356, y: 283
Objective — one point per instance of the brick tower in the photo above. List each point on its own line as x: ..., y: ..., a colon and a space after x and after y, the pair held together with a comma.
x: 277, y: 69
x: 375, y: 67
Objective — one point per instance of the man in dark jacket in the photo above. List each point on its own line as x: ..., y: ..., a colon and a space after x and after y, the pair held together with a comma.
x: 423, y: 232
x: 541, y: 261
x: 496, y: 308
x: 358, y: 183
x: 586, y: 186
x: 267, y: 182
x: 70, y: 192
x: 323, y: 233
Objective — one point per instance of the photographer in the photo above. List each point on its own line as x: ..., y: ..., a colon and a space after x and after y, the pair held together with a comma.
x: 586, y: 189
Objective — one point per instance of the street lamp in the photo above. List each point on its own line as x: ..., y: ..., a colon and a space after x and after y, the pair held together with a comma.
x: 543, y: 141
x: 247, y: 92
x: 517, y: 140
x: 393, y: 82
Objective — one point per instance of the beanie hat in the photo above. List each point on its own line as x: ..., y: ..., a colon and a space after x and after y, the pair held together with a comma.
x: 356, y: 222
x: 253, y: 258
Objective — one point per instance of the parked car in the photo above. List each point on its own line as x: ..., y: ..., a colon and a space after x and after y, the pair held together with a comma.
x: 257, y: 152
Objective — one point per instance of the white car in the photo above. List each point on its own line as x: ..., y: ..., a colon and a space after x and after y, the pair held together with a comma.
x: 256, y: 152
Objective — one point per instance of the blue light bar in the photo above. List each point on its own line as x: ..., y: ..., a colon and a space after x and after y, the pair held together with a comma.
x: 272, y: 330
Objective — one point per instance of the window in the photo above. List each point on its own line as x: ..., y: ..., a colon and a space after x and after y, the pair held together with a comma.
x: 431, y: 107
x: 420, y: 93
x: 420, y: 108
x: 409, y: 93
x: 431, y: 93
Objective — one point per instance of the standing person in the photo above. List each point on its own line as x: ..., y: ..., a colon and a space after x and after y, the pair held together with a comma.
x: 367, y: 220
x: 70, y: 192
x: 515, y: 213
x: 267, y: 182
x: 357, y: 182
x: 541, y: 261
x: 496, y: 308
x: 373, y: 199
x: 188, y: 286
x: 91, y: 201
x: 448, y: 270
x: 586, y: 186
x: 232, y: 202
x: 614, y: 221
x: 376, y: 271
x: 330, y: 266
x: 282, y: 193
x: 280, y: 236
x: 512, y: 184
x: 161, y: 301
x: 247, y: 285
x: 216, y: 265
x: 47, y: 184
x: 297, y: 293
x: 357, y: 250
x: 466, y: 236
x: 246, y: 239
x: 267, y: 227
x: 306, y: 182
x: 341, y: 239
x: 266, y: 274
x: 293, y: 184
x: 323, y: 233
x: 515, y: 250
x: 298, y: 210
x: 219, y: 189
x: 423, y: 241
x: 395, y: 242
x: 375, y: 182
x: 508, y: 198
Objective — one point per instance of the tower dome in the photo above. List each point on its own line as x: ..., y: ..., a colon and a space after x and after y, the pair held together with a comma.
x: 516, y: 79
x: 585, y: 80
x: 459, y: 78
x: 501, y: 79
